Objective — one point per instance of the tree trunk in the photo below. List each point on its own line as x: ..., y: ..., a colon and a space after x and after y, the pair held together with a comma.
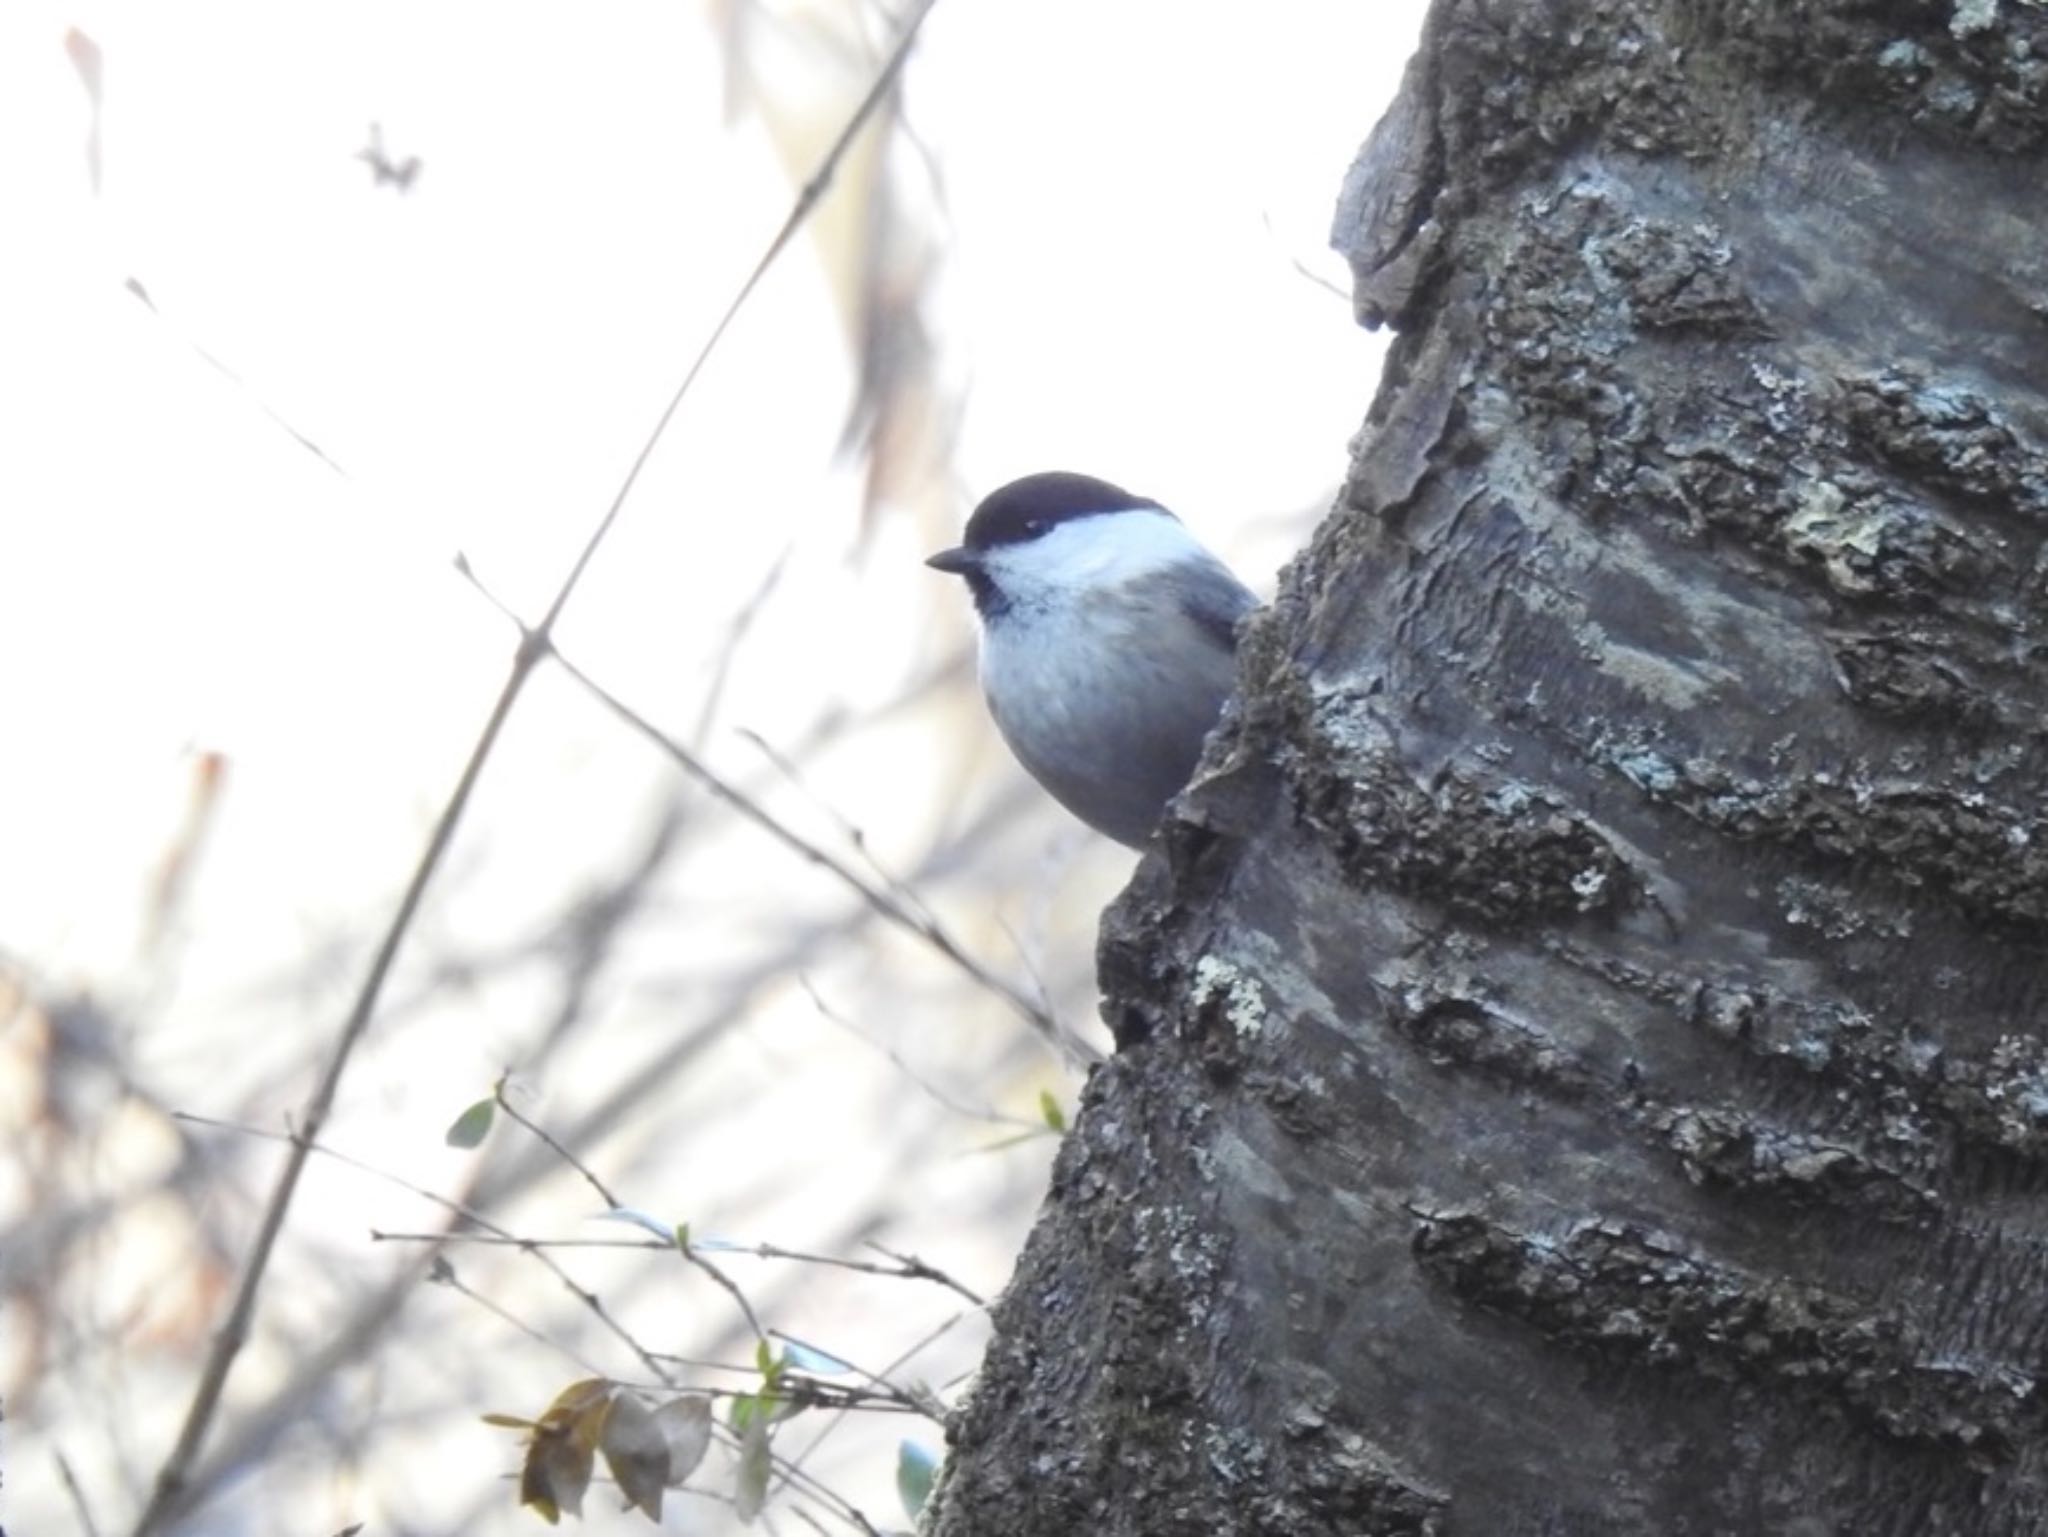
x: 1582, y: 1066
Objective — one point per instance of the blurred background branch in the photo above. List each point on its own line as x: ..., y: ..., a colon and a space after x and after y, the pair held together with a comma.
x: 168, y: 1497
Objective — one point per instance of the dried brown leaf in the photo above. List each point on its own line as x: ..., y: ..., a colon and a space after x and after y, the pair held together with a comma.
x: 561, y: 1454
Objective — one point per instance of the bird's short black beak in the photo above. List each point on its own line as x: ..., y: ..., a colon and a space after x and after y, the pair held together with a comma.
x: 958, y: 561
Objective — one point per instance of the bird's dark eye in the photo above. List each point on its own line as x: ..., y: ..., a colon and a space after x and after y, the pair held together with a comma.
x: 1033, y: 527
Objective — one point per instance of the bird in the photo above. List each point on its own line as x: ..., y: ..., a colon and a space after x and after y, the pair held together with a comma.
x: 1108, y: 642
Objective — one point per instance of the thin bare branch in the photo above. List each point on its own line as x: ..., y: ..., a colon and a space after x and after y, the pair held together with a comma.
x: 278, y: 419
x: 735, y: 634
x: 166, y: 1498
x: 694, y: 1257
x: 883, y: 1388
x: 910, y: 916
x: 455, y: 1209
x: 911, y: 1268
x: 940, y: 1096
x: 806, y: 1392
x: 807, y: 200
x: 917, y: 1349
x: 77, y: 1494
x: 535, y: 1129
x: 442, y: 1273
x: 612, y: 1203
x: 848, y: 829
x: 901, y: 1267
x: 927, y: 929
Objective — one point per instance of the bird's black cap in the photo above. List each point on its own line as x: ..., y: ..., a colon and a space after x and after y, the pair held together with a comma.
x: 1025, y: 509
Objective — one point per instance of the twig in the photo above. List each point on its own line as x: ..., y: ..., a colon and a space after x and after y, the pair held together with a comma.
x: 905, y: 1267
x: 78, y: 1500
x: 735, y: 633
x: 807, y: 1392
x: 883, y: 1387
x: 937, y: 1094
x: 825, y: 1495
x: 807, y: 199
x: 443, y: 1274
x: 732, y: 1289
x: 848, y: 829
x: 907, y: 1356
x: 516, y: 1241
x: 165, y: 1499
x: 911, y: 1268
x: 881, y: 902
x: 912, y: 919
x: 1024, y: 959
x: 277, y: 418
x: 737, y: 1369
x: 1302, y: 268
x: 612, y: 1203
x: 589, y: 1176
x: 454, y: 1208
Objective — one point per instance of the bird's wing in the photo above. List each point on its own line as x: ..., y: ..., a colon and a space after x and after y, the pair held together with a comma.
x: 1216, y: 600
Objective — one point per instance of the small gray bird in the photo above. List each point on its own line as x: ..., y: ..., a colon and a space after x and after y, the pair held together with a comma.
x: 1107, y: 642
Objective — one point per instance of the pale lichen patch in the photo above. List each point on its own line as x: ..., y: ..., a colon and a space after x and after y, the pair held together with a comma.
x: 1217, y: 980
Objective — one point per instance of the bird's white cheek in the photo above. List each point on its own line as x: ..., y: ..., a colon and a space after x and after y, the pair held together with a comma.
x: 1092, y: 555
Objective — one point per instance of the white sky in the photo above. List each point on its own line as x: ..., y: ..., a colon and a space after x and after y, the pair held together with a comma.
x: 1129, y: 187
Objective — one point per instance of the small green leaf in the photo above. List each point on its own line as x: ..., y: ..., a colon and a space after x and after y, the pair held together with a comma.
x: 751, y: 1409
x: 764, y: 1360
x: 683, y: 1236
x: 473, y: 1125
x: 915, y: 1467
x: 756, y: 1463
x: 1049, y: 1108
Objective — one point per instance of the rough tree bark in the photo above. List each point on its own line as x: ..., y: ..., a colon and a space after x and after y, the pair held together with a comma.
x: 1583, y: 1065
